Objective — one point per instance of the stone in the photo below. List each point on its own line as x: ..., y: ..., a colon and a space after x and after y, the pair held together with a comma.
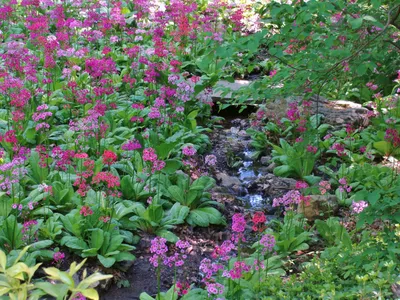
x: 319, y: 207
x: 271, y: 167
x: 272, y: 185
x: 264, y: 160
x: 226, y: 180
x: 335, y: 112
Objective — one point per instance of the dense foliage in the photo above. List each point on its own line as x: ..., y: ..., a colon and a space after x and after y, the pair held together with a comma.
x: 106, y: 110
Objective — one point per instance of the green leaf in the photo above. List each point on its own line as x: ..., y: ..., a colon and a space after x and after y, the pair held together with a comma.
x: 58, y: 291
x: 168, y: 235
x: 145, y: 296
x: 90, y: 293
x: 214, y: 216
x: 164, y: 149
x: 373, y: 197
x: 171, y: 166
x: 107, y: 262
x: 40, y: 245
x: 199, y: 218
x: 356, y: 23
x: 97, y: 238
x: 154, y: 213
x: 383, y: 147
x: 177, y: 193
x: 125, y: 256
x: 179, y: 212
x: 74, y: 243
x: 361, y: 69
x: 376, y: 3
x: 283, y: 171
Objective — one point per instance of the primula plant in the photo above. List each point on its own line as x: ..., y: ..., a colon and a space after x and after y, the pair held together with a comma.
x: 110, y: 133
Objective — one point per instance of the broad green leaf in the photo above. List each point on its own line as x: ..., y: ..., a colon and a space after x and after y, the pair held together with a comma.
x: 107, y: 262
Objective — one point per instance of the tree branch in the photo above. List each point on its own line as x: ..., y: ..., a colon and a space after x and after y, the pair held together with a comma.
x: 393, y: 43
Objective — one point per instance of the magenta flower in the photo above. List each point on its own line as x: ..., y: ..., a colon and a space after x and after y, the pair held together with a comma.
x: 189, y: 150
x: 159, y: 249
x: 238, y: 223
x: 131, y: 145
x: 58, y: 256
x: 149, y: 154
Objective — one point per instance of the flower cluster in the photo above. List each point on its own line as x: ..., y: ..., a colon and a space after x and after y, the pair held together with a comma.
x: 268, y: 242
x: 239, y: 267
x: 223, y: 252
x: 86, y: 211
x: 178, y: 258
x: 301, y: 185
x: 58, y: 257
x: 189, y: 150
x: 339, y: 149
x: 288, y: 201
x: 40, y: 115
x: 344, y: 186
x: 131, y: 145
x: 182, y: 288
x: 238, y: 223
x: 324, y: 186
x: 159, y: 249
x: 259, y: 220
x: 359, y: 206
x: 109, y: 157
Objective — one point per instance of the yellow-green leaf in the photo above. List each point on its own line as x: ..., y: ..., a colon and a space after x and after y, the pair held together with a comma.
x: 91, y: 294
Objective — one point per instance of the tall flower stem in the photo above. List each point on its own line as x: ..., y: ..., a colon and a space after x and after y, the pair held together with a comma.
x: 174, y: 284
x: 159, y: 279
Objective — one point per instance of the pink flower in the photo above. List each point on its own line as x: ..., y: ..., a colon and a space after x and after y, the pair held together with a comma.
x: 58, y: 256
x: 159, y: 249
x: 131, y: 145
x: 312, y: 149
x: 149, y: 154
x: 324, y: 187
x: 109, y: 157
x: 158, y: 165
x: 268, y: 242
x: 81, y: 155
x: 223, y: 251
x: 273, y: 73
x: 339, y: 148
x: 189, y: 150
x: 238, y: 268
x: 86, y: 211
x: 358, y: 207
x: 214, y: 288
x: 238, y: 223
x: 301, y: 185
x: 288, y: 200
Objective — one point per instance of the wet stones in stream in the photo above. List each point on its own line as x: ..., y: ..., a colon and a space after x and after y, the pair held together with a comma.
x: 248, y: 180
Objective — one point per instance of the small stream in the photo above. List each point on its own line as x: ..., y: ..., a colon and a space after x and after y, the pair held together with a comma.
x: 250, y: 168
x: 247, y: 174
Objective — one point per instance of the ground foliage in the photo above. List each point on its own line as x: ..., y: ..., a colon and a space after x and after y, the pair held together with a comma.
x: 105, y: 110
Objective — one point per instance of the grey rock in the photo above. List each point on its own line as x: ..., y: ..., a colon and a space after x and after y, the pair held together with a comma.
x: 271, y: 167
x: 335, y: 112
x: 226, y: 180
x: 265, y: 160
